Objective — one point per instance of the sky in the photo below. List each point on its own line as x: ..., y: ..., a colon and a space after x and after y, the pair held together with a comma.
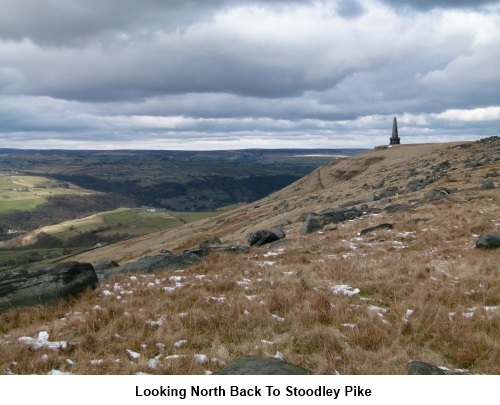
x: 235, y: 74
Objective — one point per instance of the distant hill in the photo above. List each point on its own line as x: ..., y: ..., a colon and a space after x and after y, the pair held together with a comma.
x: 378, y: 271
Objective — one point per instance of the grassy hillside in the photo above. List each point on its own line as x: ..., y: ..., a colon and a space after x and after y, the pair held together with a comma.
x: 332, y: 301
x: 18, y: 192
x: 128, y: 221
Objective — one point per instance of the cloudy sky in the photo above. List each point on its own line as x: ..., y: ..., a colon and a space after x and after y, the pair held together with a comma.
x: 232, y: 74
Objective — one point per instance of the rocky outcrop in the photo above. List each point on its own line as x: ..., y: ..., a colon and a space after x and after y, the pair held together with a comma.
x: 264, y: 236
x: 156, y: 263
x: 489, y: 240
x: 315, y: 222
x: 45, y: 285
x: 253, y: 365
x: 169, y: 261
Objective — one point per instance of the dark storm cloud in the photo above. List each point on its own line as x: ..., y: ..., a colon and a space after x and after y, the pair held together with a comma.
x: 430, y: 4
x: 63, y: 22
x: 227, y: 74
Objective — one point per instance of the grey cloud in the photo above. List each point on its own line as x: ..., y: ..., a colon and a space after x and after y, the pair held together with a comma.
x: 198, y: 74
x: 350, y: 8
x: 76, y: 22
x: 430, y: 4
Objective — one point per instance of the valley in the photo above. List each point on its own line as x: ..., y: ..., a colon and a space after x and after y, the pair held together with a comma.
x: 379, y: 264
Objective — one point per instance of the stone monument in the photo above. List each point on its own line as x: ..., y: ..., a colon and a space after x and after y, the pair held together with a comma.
x: 394, y: 139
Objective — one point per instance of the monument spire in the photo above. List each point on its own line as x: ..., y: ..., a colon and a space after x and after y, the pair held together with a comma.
x: 394, y: 139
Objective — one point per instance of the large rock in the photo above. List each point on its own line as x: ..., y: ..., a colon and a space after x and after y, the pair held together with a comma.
x: 417, y: 367
x: 45, y: 285
x: 314, y: 222
x: 263, y: 236
x: 156, y: 263
x: 253, y: 365
x: 489, y: 240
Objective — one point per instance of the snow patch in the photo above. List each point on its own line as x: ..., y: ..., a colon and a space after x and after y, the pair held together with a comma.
x: 42, y: 341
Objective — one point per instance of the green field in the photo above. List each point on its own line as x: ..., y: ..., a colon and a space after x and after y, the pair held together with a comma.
x: 19, y: 192
x: 125, y: 221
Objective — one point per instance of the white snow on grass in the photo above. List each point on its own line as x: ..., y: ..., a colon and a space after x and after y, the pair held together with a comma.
x: 345, y: 289
x: 266, y: 342
x: 408, y: 313
x: 276, y: 252
x: 156, y: 323
x: 133, y: 355
x: 42, y: 341
x: 180, y: 343
x: 278, y: 318
x: 107, y: 293
x: 201, y: 358
x: 349, y: 325
x: 175, y: 357
x: 266, y: 263
x: 245, y: 281
x: 58, y: 372
x: 379, y: 311
x: 154, y: 362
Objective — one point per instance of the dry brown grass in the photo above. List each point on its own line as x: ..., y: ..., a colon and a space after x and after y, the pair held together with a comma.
x: 233, y: 305
x: 425, y: 292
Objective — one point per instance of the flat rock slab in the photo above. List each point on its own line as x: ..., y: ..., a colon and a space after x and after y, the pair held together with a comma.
x: 152, y: 264
x: 264, y: 236
x: 376, y: 228
x: 489, y: 240
x: 253, y: 365
x: 416, y: 367
x: 45, y: 285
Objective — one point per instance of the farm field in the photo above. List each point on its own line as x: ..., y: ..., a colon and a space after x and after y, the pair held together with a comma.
x: 129, y: 221
x: 19, y: 192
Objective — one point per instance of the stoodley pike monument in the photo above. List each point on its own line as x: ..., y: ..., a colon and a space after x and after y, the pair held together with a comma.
x: 394, y: 139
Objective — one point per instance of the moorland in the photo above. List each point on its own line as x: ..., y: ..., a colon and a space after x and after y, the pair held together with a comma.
x: 398, y: 278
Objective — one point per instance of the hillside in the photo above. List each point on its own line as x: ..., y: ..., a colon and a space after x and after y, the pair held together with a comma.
x: 344, y: 297
x: 355, y: 178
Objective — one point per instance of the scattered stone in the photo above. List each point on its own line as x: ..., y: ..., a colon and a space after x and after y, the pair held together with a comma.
x: 352, y: 203
x: 264, y: 236
x: 416, y: 185
x: 416, y: 367
x: 105, y: 264
x: 492, y: 174
x: 487, y: 185
x: 214, y: 240
x: 380, y: 184
x: 45, y: 285
x: 438, y: 194
x: 489, y: 240
x: 388, y: 192
x: 376, y: 228
x: 397, y: 208
x: 417, y: 220
x: 315, y: 222
x: 253, y: 365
